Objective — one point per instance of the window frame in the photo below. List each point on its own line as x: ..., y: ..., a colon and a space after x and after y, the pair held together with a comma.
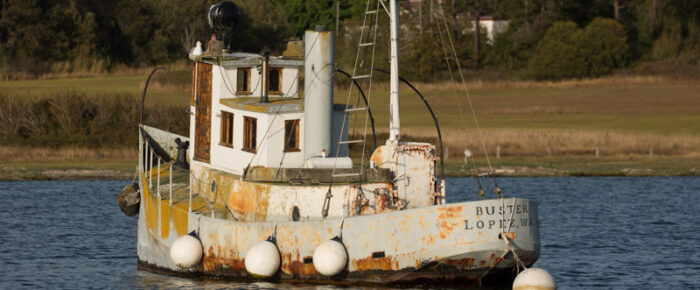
x: 223, y: 129
x: 295, y: 127
x: 279, y: 81
x: 247, y: 81
x: 249, y: 122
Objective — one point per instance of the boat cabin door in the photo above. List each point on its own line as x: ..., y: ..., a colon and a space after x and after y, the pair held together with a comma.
x: 202, y: 102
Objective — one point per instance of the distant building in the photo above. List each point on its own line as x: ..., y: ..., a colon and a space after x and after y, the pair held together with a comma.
x: 493, y: 26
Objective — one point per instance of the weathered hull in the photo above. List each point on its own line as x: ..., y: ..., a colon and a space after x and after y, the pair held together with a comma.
x: 453, y: 242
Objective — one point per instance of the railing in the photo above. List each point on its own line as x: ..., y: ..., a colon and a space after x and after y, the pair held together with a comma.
x: 175, y: 180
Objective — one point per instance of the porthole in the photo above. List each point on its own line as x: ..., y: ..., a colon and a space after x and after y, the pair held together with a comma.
x: 295, y: 213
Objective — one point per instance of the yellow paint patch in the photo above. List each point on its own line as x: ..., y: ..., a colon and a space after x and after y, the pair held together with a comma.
x: 149, y: 207
x: 250, y: 200
x: 164, y: 218
x: 179, y: 218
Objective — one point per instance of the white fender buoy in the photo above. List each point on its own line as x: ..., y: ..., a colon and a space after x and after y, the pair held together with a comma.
x: 534, y: 278
x: 330, y: 257
x: 263, y: 259
x: 186, y: 251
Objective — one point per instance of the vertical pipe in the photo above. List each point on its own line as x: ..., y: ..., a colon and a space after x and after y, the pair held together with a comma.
x: 150, y: 166
x: 140, y: 155
x: 394, y: 125
x: 158, y: 181
x: 190, y: 207
x: 159, y: 199
x: 265, y: 77
x: 171, y: 183
x: 319, y: 67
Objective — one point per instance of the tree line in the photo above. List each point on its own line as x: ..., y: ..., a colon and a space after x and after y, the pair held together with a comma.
x: 545, y: 39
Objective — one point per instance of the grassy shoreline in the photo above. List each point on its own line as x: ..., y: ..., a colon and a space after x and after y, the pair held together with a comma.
x: 505, y: 167
x: 539, y: 128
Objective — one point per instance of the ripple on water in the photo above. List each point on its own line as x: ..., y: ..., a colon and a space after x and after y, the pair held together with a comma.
x: 596, y: 233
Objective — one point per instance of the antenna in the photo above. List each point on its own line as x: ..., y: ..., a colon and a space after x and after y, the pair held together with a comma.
x: 394, y: 124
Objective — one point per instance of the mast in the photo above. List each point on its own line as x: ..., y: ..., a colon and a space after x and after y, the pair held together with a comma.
x: 394, y: 123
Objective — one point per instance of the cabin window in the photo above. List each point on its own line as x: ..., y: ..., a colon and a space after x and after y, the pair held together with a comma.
x: 275, y: 82
x: 226, y: 129
x: 250, y: 127
x: 291, y: 136
x: 243, y: 81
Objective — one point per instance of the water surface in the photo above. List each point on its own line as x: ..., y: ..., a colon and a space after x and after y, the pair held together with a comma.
x: 623, y: 233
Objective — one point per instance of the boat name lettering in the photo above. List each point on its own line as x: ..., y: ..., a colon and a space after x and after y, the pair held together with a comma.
x: 491, y: 210
x: 499, y: 224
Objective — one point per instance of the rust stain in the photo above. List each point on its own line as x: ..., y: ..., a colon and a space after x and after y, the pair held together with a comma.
x: 222, y: 258
x: 498, y: 260
x: 250, y: 200
x: 464, y: 264
x: 430, y: 241
x: 369, y: 263
x: 295, y: 265
x: 448, y: 219
x: 510, y: 235
x: 377, y: 156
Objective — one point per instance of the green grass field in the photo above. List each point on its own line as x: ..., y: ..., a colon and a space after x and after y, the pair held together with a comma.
x: 622, y: 116
x: 625, y: 105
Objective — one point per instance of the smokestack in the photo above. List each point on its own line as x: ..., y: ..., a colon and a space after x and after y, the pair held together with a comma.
x: 265, y: 76
x: 319, y: 67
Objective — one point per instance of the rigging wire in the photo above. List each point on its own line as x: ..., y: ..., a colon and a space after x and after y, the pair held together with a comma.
x: 459, y: 107
x: 430, y: 109
x: 369, y: 111
x: 326, y: 203
x: 466, y: 90
x: 264, y: 138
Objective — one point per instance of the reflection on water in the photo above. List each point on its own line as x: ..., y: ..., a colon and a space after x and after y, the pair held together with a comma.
x: 596, y: 233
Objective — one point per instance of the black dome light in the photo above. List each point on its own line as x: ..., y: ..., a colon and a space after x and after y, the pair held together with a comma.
x: 223, y: 18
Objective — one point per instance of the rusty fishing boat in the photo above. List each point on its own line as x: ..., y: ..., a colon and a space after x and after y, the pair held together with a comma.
x: 264, y: 187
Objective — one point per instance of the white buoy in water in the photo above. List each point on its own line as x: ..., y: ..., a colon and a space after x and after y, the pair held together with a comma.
x: 330, y: 257
x: 534, y: 278
x: 263, y: 259
x: 186, y: 251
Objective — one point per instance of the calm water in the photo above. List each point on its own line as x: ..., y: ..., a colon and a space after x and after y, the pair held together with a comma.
x: 597, y: 233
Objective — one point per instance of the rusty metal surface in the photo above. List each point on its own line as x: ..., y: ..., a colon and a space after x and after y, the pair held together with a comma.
x: 203, y: 104
x: 456, y: 241
x: 413, y: 165
x: 316, y: 175
x: 276, y: 105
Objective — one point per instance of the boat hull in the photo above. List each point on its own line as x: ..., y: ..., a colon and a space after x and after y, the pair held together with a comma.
x: 468, y: 241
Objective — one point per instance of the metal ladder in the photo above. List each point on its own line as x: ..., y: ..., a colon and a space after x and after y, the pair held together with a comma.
x: 363, y: 76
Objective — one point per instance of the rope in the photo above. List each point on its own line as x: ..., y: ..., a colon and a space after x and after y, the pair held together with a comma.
x: 466, y: 90
x: 459, y: 106
x: 326, y: 203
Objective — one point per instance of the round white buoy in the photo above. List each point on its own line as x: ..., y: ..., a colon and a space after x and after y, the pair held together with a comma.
x: 263, y: 259
x: 534, y: 278
x: 186, y: 251
x: 330, y: 257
